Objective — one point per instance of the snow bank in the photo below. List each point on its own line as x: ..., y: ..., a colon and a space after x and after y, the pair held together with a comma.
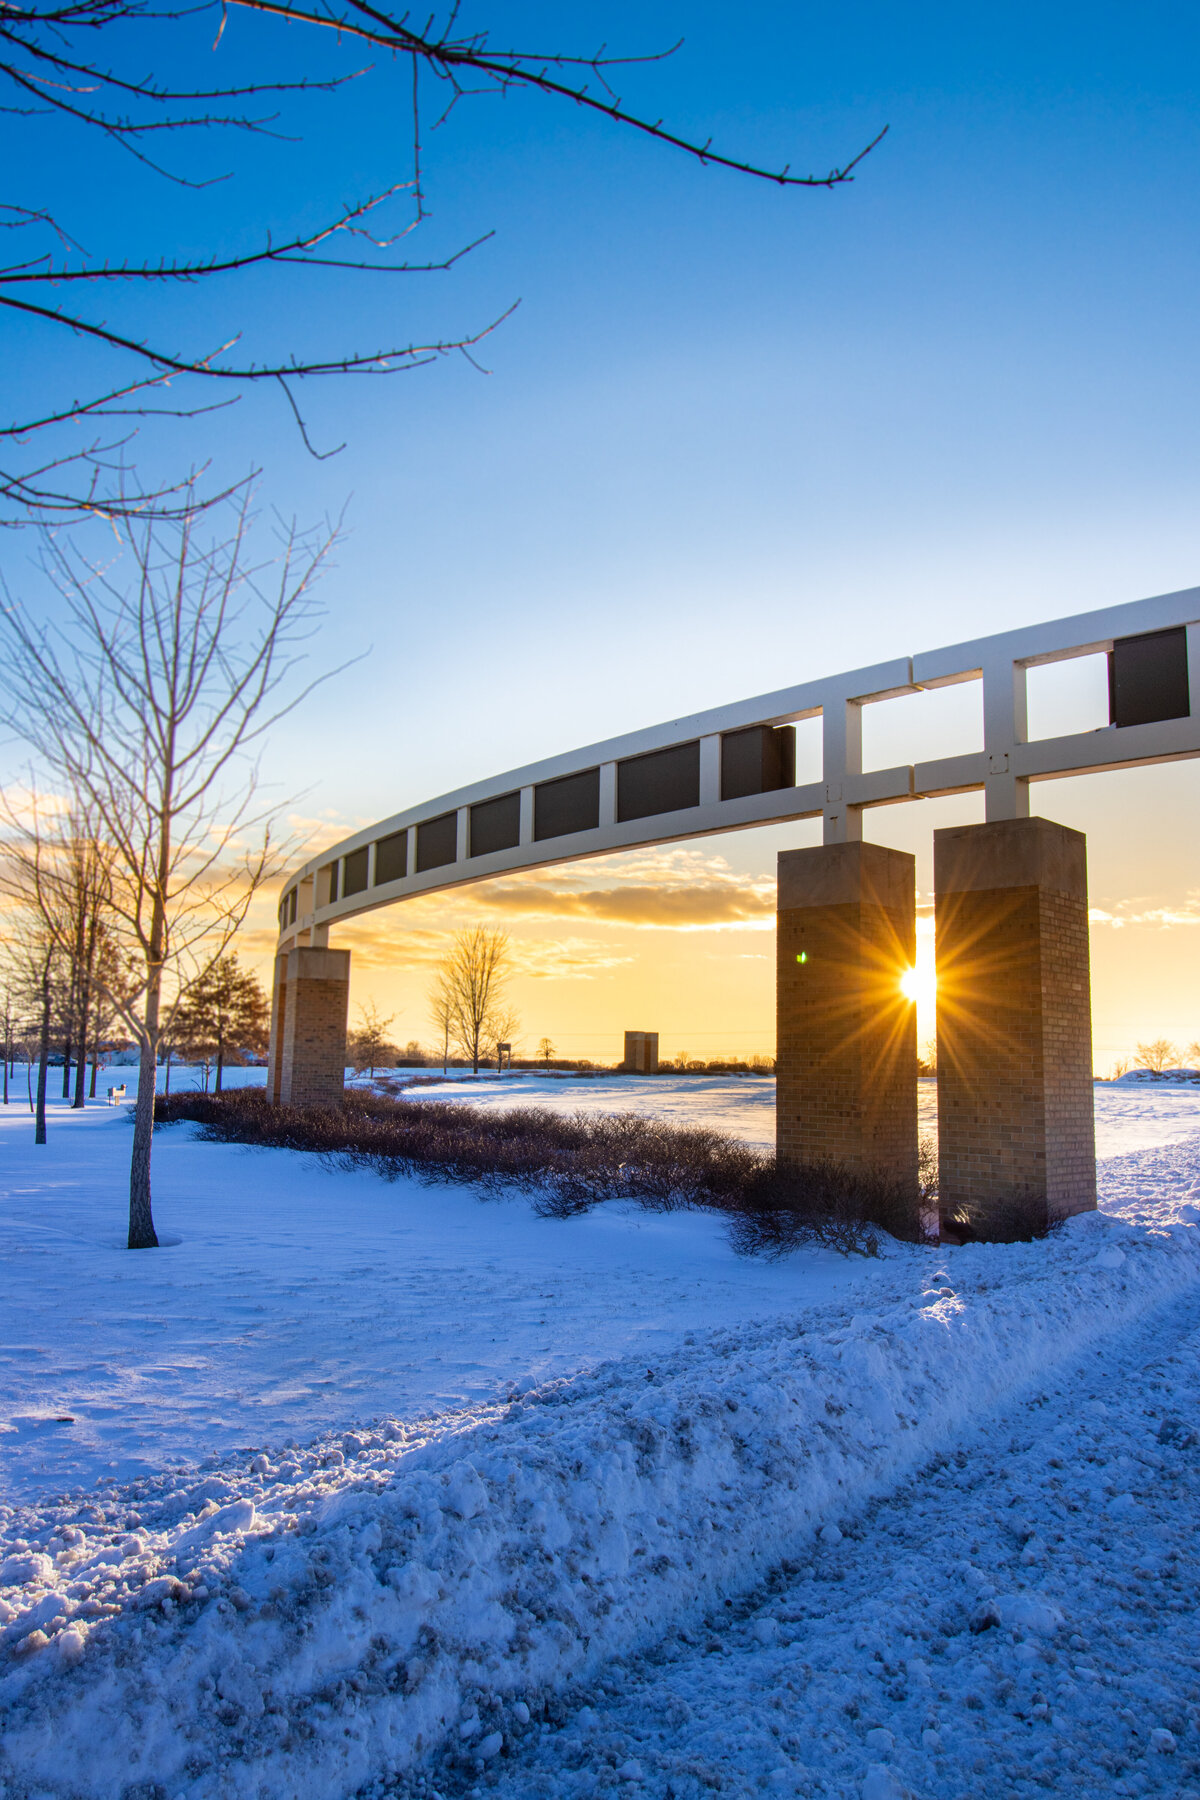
x: 1149, y: 1077
x: 302, y: 1628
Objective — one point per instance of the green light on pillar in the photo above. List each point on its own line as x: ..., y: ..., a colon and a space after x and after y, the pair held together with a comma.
x: 803, y: 957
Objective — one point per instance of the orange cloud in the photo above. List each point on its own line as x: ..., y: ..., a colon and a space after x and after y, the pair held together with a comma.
x: 682, y: 907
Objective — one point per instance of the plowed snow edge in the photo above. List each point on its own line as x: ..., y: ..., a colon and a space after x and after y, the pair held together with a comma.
x: 337, y: 1634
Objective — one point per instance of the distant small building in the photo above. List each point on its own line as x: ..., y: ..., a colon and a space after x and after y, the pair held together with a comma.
x: 641, y: 1052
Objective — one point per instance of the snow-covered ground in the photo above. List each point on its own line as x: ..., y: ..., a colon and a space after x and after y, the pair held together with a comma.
x: 1050, y: 1641
x: 744, y: 1105
x: 294, y: 1297
x: 383, y: 1489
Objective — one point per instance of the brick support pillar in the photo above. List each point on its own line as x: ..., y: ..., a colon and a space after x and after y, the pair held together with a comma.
x: 311, y: 1005
x: 1016, y: 1126
x: 846, y: 1044
x: 278, y: 1018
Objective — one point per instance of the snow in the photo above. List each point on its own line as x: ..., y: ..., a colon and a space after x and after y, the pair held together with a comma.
x: 992, y: 1627
x: 294, y: 1298
x: 1141, y: 1077
x: 741, y: 1105
x: 744, y: 1105
x: 919, y: 1525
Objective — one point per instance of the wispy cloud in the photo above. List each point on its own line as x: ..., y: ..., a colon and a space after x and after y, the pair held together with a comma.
x: 681, y: 890
x: 699, y: 906
x: 1136, y: 912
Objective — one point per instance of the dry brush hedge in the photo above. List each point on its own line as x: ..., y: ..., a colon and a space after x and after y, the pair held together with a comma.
x: 568, y: 1164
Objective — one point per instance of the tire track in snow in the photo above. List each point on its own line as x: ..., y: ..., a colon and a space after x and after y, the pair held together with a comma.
x: 1021, y: 1618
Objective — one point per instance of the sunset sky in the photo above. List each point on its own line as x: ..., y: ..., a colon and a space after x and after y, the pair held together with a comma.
x: 732, y: 438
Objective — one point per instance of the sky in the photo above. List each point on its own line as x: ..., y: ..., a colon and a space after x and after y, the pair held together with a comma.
x: 731, y: 438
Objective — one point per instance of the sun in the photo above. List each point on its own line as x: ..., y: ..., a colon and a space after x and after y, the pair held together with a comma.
x: 919, y: 985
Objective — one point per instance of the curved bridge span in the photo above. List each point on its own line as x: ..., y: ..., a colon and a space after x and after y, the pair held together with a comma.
x: 732, y: 768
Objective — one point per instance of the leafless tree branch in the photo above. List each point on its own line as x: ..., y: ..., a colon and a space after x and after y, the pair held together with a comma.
x: 147, y: 705
x: 48, y: 70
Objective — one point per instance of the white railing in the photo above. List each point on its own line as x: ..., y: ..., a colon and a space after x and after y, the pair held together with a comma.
x: 1003, y: 768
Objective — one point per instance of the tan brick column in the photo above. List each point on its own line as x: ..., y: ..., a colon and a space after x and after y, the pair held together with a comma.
x: 313, y: 1061
x: 846, y: 1044
x: 278, y: 1018
x: 1015, y: 1108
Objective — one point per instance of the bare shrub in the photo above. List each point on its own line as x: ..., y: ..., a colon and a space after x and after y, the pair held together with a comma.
x: 568, y: 1165
x: 1013, y: 1218
x: 789, y: 1204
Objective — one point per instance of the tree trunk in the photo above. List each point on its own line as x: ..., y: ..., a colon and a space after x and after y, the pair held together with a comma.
x: 220, y: 1066
x: 95, y: 1060
x: 68, y: 1052
x: 29, y: 1083
x: 7, y: 1046
x: 81, y: 1071
x: 85, y: 1011
x: 167, y: 1078
x: 39, y: 1135
x: 142, y: 1235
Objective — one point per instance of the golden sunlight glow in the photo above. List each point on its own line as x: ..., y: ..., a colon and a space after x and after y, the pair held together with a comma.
x: 919, y: 985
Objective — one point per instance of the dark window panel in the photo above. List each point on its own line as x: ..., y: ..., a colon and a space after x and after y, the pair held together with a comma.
x: 571, y: 803
x: 1148, y: 678
x: 662, y: 781
x: 437, y: 842
x: 292, y: 901
x: 759, y: 760
x: 391, y: 858
x: 332, y: 871
x: 496, y: 824
x: 354, y: 876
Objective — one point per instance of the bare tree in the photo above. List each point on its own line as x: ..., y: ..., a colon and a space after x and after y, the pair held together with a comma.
x: 441, y: 1011
x: 57, y: 61
x: 36, y: 964
x: 470, y: 987
x: 9, y: 1023
x: 1156, y: 1056
x: 546, y: 1051
x: 369, y: 1044
x: 147, y: 705
x: 114, y: 973
x: 503, y: 1027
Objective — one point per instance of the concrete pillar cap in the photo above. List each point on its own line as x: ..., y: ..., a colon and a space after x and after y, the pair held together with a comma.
x: 1010, y: 853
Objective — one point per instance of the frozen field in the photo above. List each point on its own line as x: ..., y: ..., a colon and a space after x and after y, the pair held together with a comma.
x: 361, y: 1489
x: 1127, y: 1118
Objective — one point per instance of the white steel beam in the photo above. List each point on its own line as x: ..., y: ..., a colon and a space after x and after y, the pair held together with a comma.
x: 1004, y: 767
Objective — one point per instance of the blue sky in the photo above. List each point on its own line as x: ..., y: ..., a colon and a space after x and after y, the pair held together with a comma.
x: 733, y: 436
